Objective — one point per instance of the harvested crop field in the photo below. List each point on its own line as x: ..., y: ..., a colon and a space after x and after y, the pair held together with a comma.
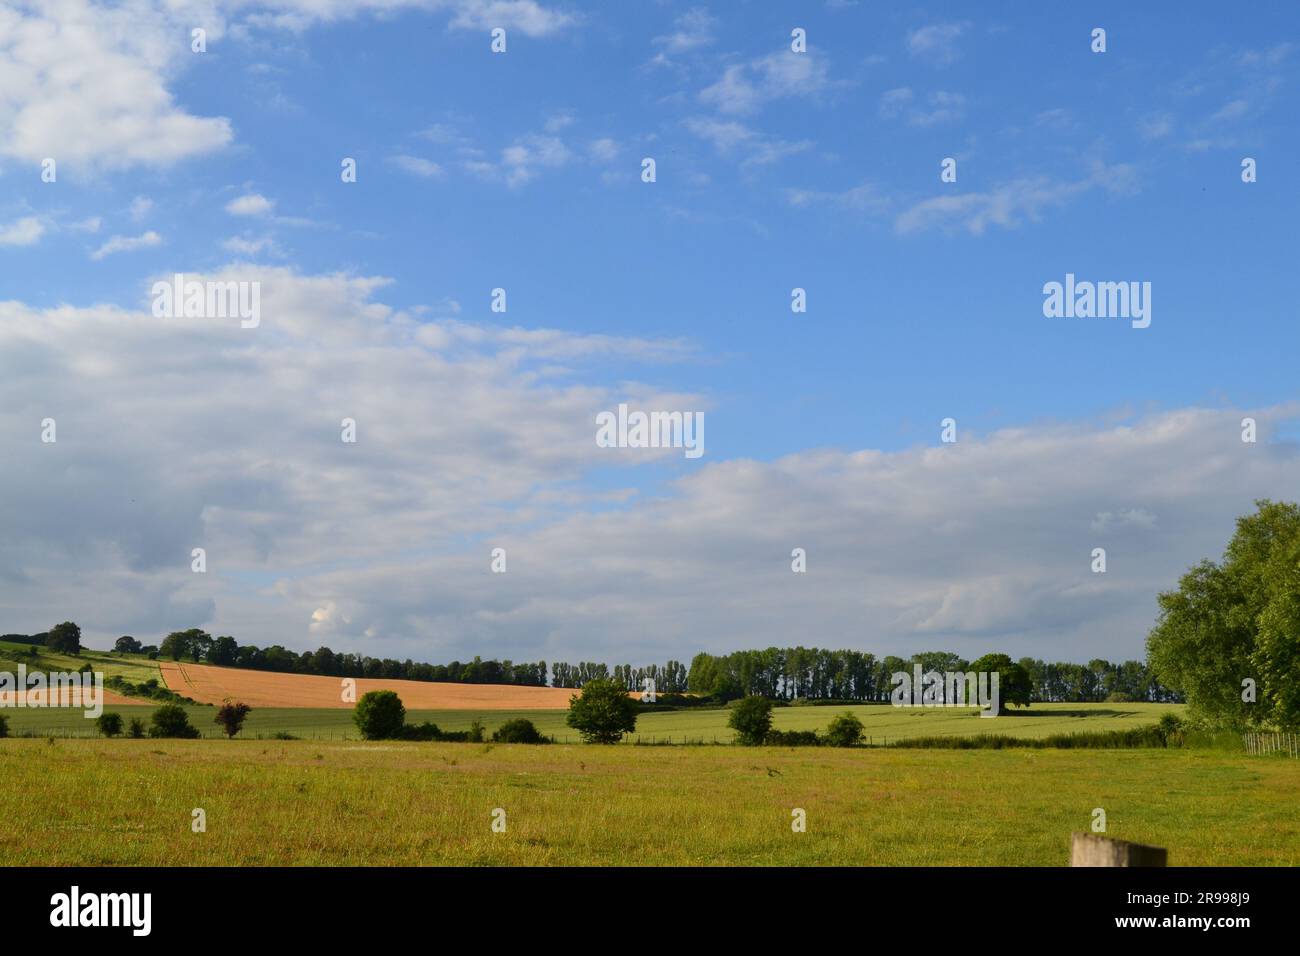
x: 213, y: 685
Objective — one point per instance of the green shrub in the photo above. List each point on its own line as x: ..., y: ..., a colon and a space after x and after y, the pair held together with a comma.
x: 751, y: 719
x: 424, y: 731
x: 231, y: 717
x: 380, y: 715
x: 793, y: 738
x: 1171, y: 730
x: 136, y: 728
x: 109, y: 724
x: 170, y: 720
x: 845, y: 731
x: 520, y: 730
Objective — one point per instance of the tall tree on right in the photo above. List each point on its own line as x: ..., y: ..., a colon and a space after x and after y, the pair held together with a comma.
x: 1229, y: 636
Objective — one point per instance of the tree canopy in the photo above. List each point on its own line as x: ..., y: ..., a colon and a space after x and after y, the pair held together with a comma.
x: 1229, y: 635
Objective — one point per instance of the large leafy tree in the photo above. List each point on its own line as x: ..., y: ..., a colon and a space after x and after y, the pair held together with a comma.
x: 191, y: 643
x: 64, y: 638
x: 1014, y: 685
x: 602, y: 713
x: 1237, y: 621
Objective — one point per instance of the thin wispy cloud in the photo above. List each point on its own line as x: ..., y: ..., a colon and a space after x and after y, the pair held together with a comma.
x: 118, y: 244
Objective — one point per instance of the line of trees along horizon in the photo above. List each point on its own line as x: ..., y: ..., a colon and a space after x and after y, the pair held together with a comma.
x: 809, y: 673
x: 813, y: 673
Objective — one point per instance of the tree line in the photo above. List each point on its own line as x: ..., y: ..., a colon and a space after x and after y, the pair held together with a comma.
x: 814, y: 673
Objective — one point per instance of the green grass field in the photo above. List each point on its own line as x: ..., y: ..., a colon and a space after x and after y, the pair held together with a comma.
x: 884, y: 723
x: 129, y: 802
x: 133, y: 667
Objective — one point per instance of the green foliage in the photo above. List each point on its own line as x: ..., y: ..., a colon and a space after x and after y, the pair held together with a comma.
x: 1014, y: 686
x: 126, y: 644
x: 193, y: 643
x: 1236, y: 621
x: 170, y: 720
x: 520, y: 730
x: 845, y: 731
x: 231, y: 717
x: 1156, y: 735
x: 135, y: 729
x: 150, y: 689
x: 4, y: 726
x: 751, y: 719
x: 380, y: 715
x: 793, y: 738
x: 64, y: 638
x: 1170, y: 728
x: 602, y: 713
x: 109, y: 724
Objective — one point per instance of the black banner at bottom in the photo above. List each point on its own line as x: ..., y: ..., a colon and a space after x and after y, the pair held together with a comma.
x: 336, y: 905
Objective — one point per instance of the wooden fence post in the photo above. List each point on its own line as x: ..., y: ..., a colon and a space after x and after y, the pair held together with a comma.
x: 1089, y: 849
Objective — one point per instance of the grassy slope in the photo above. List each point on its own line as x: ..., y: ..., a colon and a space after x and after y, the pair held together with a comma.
x: 133, y: 667
x: 129, y: 802
x: 883, y: 722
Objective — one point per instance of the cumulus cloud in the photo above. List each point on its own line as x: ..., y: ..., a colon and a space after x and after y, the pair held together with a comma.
x: 89, y: 84
x: 980, y: 546
x: 270, y: 489
x: 252, y: 204
x: 26, y: 231
x: 475, y: 436
x: 86, y: 84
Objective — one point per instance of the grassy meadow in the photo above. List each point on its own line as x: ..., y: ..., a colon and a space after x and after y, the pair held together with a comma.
x: 883, y: 722
x: 137, y: 668
x: 129, y: 802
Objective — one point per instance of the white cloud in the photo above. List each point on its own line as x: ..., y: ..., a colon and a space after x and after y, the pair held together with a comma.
x: 744, y: 87
x: 127, y: 244
x: 22, y: 232
x: 936, y: 42
x: 417, y: 166
x: 527, y: 16
x: 864, y: 197
x: 1012, y: 203
x: 943, y: 106
x: 984, y: 545
x: 1235, y: 109
x: 525, y: 159
x: 252, y: 204
x: 86, y: 84
x: 732, y: 139
x: 691, y: 31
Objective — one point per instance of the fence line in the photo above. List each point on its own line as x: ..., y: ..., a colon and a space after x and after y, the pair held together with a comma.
x: 1283, y: 743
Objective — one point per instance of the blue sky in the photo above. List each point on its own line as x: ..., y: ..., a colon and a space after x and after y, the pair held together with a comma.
x: 774, y: 170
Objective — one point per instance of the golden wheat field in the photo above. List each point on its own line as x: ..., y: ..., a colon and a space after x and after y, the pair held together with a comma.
x: 213, y: 685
